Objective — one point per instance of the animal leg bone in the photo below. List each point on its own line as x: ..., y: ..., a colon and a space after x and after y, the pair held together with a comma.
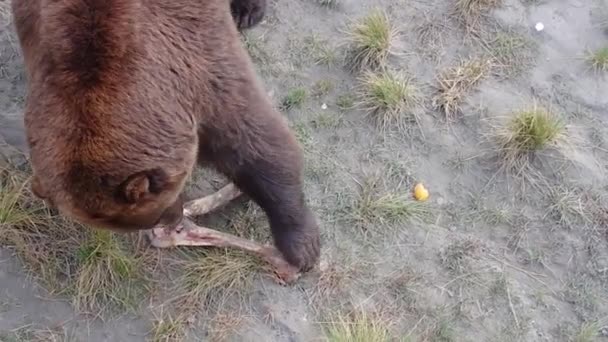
x: 211, y: 202
x: 189, y: 233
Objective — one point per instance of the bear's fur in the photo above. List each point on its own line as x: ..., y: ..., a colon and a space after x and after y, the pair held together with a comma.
x: 125, y: 96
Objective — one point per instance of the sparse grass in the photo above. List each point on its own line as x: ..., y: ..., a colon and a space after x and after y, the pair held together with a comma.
x: 335, y: 276
x: 430, y: 35
x: 359, y: 327
x: 532, y: 2
x: 345, y: 101
x: 328, y: 3
x: 598, y: 59
x: 527, y: 133
x: 320, y: 51
x: 567, y: 207
x: 371, y: 41
x: 455, y: 257
x: 208, y: 277
x: 250, y: 223
x: 489, y: 214
x: 303, y: 135
x: 167, y: 328
x: 295, y: 98
x: 402, y: 284
x: 387, y: 96
x: 535, y: 256
x: 374, y: 208
x: 470, y: 12
x: 588, y: 332
x: 580, y: 291
x: 256, y: 46
x: 30, y: 333
x: 444, y: 331
x: 322, y: 88
x: 326, y: 120
x: 108, y: 275
x: 512, y: 53
x: 499, y: 287
x: 456, y: 83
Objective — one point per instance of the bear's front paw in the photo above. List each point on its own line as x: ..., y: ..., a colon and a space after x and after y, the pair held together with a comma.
x: 247, y: 13
x: 301, y: 246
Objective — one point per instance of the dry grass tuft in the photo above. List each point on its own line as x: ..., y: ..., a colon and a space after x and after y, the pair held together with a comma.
x: 471, y: 12
x: 223, y: 325
x: 457, y: 82
x: 108, y: 276
x: 357, y: 327
x: 371, y: 41
x: 387, y: 96
x: 527, y: 133
x: 598, y: 59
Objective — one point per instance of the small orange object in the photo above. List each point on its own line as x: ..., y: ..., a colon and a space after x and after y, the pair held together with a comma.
x: 420, y: 192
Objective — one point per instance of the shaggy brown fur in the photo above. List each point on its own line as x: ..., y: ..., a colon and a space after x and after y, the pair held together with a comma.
x: 126, y: 95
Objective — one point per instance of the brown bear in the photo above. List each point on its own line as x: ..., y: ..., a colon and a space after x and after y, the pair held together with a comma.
x: 126, y: 96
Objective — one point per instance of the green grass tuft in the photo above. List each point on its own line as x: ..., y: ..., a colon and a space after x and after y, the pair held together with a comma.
x: 213, y: 275
x: 387, y: 96
x: 598, y: 59
x: 345, y: 102
x: 108, y: 277
x: 44, y: 242
x: 371, y: 41
x: 295, y: 98
x: 528, y: 132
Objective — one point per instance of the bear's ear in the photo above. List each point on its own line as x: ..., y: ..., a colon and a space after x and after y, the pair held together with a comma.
x: 141, y: 185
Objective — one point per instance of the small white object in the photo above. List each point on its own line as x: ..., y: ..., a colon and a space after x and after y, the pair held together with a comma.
x: 324, y: 106
x: 539, y: 26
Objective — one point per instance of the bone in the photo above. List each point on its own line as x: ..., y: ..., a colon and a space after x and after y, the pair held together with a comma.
x: 189, y: 233
x: 210, y: 203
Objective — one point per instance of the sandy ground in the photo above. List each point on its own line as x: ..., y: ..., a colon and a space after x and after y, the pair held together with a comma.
x: 491, y: 257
